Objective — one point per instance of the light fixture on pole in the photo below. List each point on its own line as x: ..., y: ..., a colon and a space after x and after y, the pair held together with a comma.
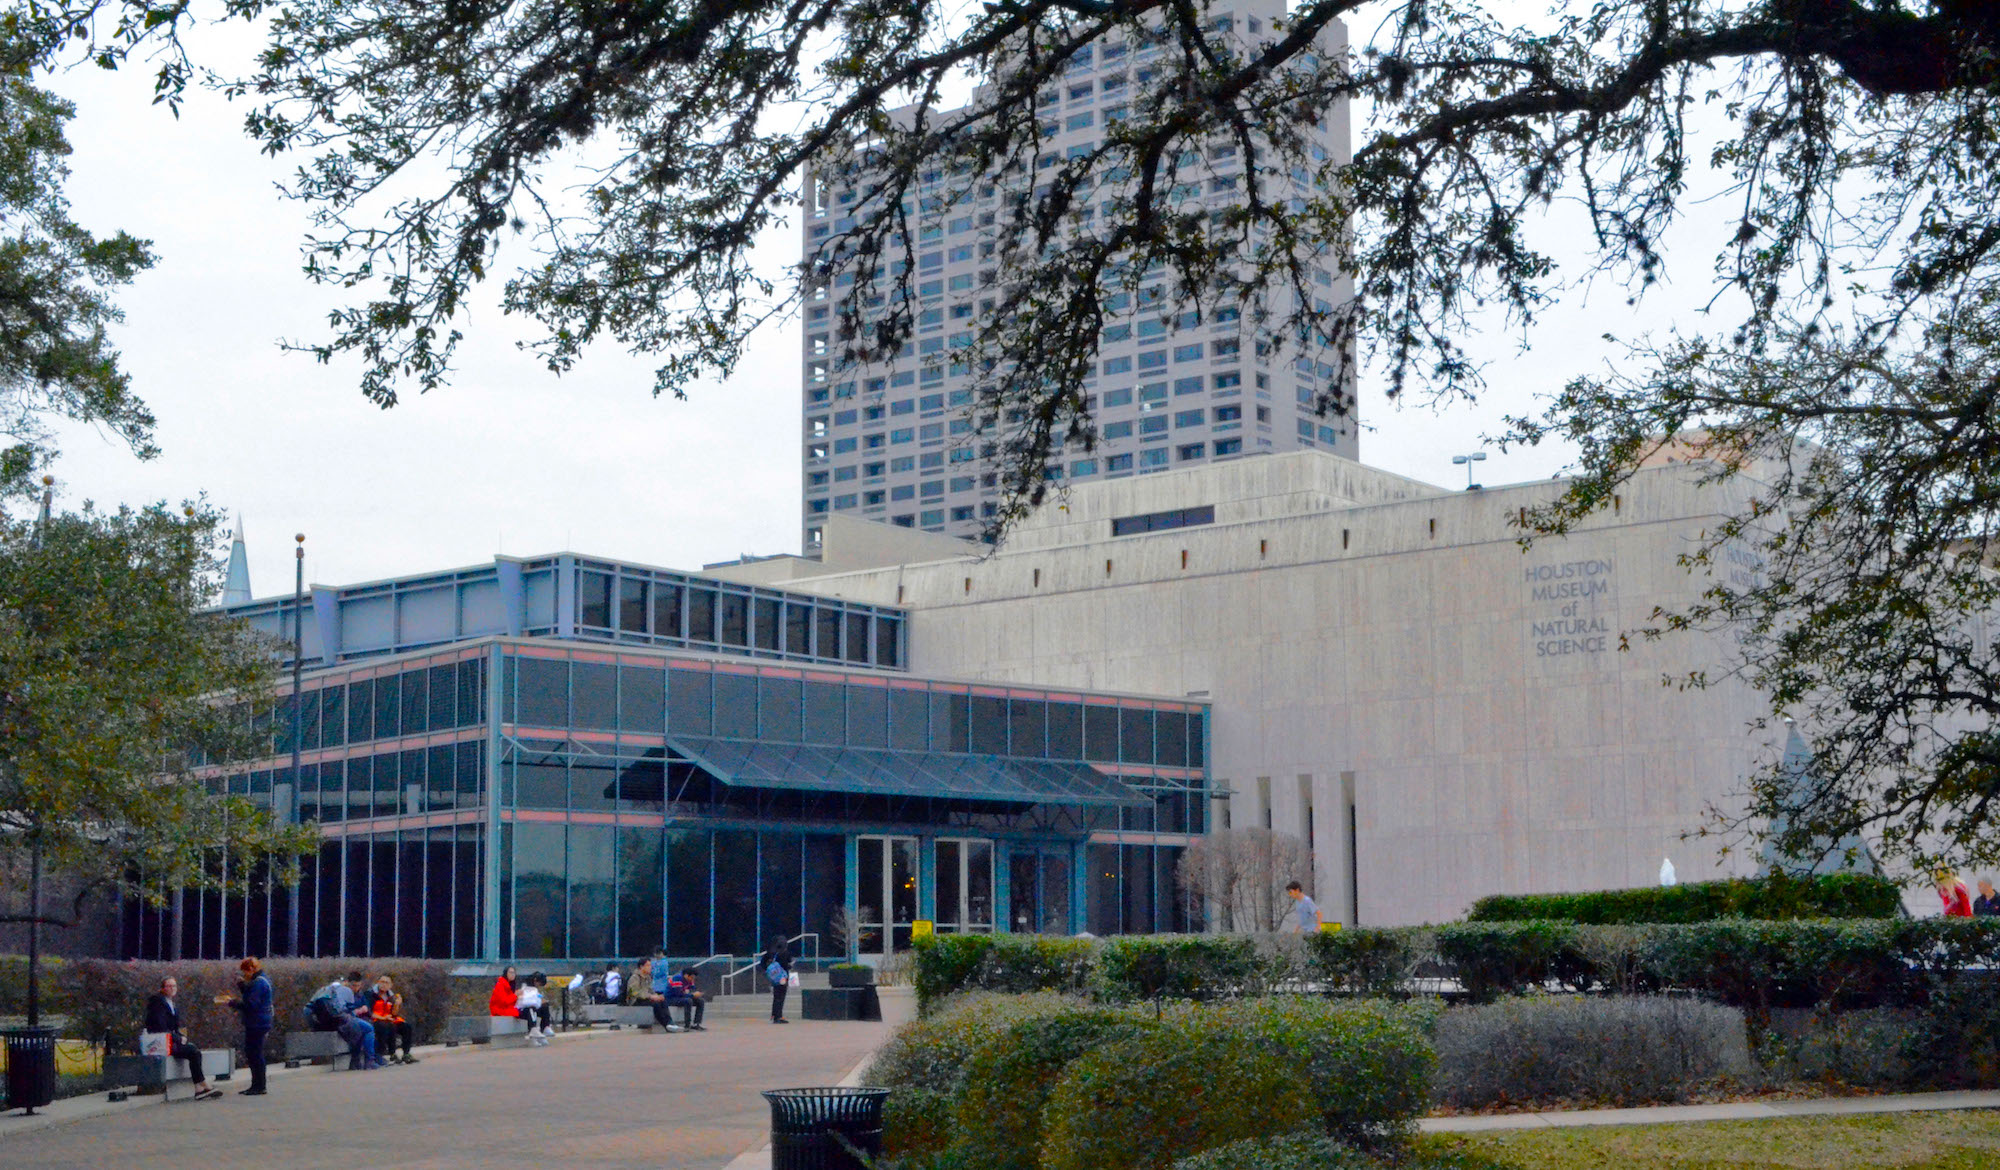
x: 1468, y: 461
x: 298, y: 700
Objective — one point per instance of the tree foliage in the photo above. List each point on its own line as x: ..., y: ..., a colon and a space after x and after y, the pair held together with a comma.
x: 110, y: 675
x: 631, y: 153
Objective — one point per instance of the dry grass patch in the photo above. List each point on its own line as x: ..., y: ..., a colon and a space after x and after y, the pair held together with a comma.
x: 1956, y: 1140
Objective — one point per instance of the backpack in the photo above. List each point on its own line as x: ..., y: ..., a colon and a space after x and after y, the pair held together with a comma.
x: 775, y: 972
x: 321, y: 1015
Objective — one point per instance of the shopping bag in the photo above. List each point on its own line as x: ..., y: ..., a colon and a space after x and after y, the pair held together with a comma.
x: 794, y: 980
x: 156, y: 1044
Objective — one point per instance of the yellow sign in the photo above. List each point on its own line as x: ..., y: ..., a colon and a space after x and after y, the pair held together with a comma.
x: 1329, y: 928
x: 922, y: 928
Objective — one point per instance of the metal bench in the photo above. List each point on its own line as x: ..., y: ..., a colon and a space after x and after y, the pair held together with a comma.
x: 147, y: 1073
x: 303, y: 1047
x: 508, y: 1031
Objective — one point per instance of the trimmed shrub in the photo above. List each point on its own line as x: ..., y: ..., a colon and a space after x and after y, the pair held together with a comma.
x: 56, y: 991
x: 1759, y: 966
x: 1622, y: 1050
x: 925, y: 1062
x: 1867, y: 1047
x: 1206, y: 1077
x: 108, y: 998
x: 1367, y: 961
x: 1299, y: 1151
x: 1955, y: 1041
x: 1008, y: 1081
x: 1177, y: 966
x: 1492, y: 959
x: 948, y: 964
x: 1840, y: 895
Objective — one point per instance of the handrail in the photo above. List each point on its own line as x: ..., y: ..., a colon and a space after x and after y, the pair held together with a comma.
x: 752, y: 965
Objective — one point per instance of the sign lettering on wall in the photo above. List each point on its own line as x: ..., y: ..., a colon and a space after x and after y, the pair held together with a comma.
x: 1571, y: 607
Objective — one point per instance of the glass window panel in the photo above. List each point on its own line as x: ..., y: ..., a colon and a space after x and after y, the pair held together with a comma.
x: 735, y: 620
x: 870, y: 905
x: 687, y: 898
x: 736, y: 892
x: 441, y: 779
x: 639, y: 876
x: 868, y: 716
x: 411, y: 883
x: 989, y: 725
x: 593, y: 600
x: 541, y: 692
x: 1197, y: 751
x: 642, y: 699
x: 594, y: 691
x: 1055, y: 893
x: 333, y: 789
x: 305, y: 907
x: 416, y: 706
x: 632, y: 605
x: 778, y: 711
x: 767, y: 623
x: 333, y: 716
x: 409, y: 796
x: 388, y: 788
x: 888, y: 637
x: 902, y: 890
x: 798, y: 628
x: 438, y: 859
x: 1100, y: 734
x: 1171, y: 732
x: 354, y: 936
x: 701, y: 615
x: 1135, y: 735
x: 1103, y: 889
x: 593, y: 787
x: 471, y: 692
x: 642, y: 785
x: 979, y: 885
x: 471, y: 765
x: 736, y: 705
x: 1023, y: 894
x: 1138, y: 900
x: 949, y: 911
x: 468, y: 890
x: 827, y: 623
x: 690, y: 697
x: 950, y: 723
x: 541, y: 892
x: 506, y: 890
x: 540, y: 785
x: 309, y: 721
x: 443, y: 687
x: 857, y: 637
x: 308, y: 793
x: 825, y: 890
x: 593, y: 901
x: 1066, y: 731
x: 331, y: 899
x: 779, y: 889
x: 666, y: 614
x: 909, y: 719
x: 825, y: 713
x: 388, y: 706
x: 1027, y: 733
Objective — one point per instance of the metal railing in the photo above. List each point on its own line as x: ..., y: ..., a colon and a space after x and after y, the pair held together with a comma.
x: 749, y: 980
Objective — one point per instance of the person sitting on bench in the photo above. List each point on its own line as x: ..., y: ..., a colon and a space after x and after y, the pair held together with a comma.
x: 528, y: 1002
x: 385, y: 1008
x: 338, y: 1007
x: 659, y: 984
x: 684, y: 991
x: 163, y: 1016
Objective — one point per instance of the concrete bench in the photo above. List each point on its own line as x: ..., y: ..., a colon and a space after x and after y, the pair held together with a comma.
x: 302, y: 1047
x: 509, y: 1031
x: 147, y: 1073
x: 624, y: 1015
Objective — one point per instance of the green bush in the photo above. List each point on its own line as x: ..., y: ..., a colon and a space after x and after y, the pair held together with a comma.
x: 1205, y: 1077
x: 1759, y: 966
x: 1867, y: 1047
x: 1008, y: 1080
x: 1619, y: 1050
x: 108, y: 998
x: 1955, y: 1040
x: 948, y: 964
x: 1367, y: 961
x: 1841, y: 895
x: 55, y: 991
x: 925, y: 1063
x: 1178, y: 966
x: 1492, y: 959
x: 1299, y: 1151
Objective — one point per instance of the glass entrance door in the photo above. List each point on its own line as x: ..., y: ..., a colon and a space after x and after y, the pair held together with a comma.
x: 1038, y: 893
x: 964, y: 885
x: 887, y: 895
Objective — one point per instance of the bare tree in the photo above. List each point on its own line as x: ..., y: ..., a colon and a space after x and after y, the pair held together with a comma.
x: 1235, y: 880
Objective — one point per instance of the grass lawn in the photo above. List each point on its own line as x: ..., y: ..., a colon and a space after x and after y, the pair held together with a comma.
x: 1958, y: 1140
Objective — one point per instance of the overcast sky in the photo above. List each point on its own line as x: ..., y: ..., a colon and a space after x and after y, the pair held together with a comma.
x: 510, y: 458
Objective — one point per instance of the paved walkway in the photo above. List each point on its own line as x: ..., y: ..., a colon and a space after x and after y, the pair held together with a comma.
x: 1736, y: 1111
x: 598, y: 1099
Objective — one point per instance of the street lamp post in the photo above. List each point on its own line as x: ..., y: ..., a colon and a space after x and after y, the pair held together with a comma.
x: 298, y: 705
x: 1467, y: 461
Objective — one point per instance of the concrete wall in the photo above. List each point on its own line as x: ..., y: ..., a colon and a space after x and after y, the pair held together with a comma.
x: 1374, y: 643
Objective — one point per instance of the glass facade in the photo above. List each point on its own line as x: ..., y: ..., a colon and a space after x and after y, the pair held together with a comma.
x: 540, y: 799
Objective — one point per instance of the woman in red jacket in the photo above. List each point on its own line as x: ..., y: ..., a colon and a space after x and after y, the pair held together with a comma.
x: 1952, y: 892
x: 501, y: 1002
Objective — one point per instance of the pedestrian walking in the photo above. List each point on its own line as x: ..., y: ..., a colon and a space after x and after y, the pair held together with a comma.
x: 252, y: 1001
x: 777, y: 967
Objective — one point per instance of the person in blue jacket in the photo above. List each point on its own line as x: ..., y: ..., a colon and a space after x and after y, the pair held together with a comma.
x: 253, y: 1003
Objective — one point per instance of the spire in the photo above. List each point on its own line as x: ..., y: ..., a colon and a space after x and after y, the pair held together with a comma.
x: 236, y: 589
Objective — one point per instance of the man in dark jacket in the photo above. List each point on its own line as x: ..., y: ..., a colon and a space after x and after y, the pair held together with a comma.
x: 1987, y: 903
x: 163, y: 1016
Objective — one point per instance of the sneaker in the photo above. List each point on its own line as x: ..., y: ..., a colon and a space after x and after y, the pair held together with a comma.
x: 379, y: 1063
x: 408, y: 1059
x: 671, y: 1028
x: 205, y: 1093
x: 697, y: 1028
x: 251, y: 1093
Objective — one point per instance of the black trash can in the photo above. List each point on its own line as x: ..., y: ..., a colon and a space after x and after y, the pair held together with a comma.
x: 31, y: 1067
x: 808, y: 1125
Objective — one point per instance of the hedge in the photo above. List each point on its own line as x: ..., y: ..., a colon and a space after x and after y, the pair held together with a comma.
x: 953, y: 963
x: 106, y: 997
x: 1839, y: 895
x: 1178, y: 966
x: 1616, y: 1050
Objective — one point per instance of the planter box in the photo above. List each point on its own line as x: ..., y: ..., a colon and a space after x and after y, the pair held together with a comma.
x: 840, y: 1003
x: 851, y: 977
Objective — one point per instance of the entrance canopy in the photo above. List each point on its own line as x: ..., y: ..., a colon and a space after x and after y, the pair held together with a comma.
x: 875, y: 772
